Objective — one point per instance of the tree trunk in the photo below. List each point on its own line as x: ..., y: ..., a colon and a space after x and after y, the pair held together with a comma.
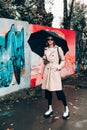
x: 67, y: 14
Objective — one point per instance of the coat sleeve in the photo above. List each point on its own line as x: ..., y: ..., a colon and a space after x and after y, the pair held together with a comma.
x: 44, y: 53
x: 45, y: 57
x: 62, y: 57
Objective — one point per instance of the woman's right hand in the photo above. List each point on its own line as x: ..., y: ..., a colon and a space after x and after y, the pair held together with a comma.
x: 44, y: 57
x: 45, y: 60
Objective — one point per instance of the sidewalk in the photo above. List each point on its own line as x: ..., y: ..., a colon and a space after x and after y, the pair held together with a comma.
x: 26, y: 113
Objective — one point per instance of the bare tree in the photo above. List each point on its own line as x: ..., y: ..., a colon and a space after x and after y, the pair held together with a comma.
x: 67, y: 14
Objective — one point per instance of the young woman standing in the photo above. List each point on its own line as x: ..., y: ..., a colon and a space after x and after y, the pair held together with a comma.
x: 52, y: 79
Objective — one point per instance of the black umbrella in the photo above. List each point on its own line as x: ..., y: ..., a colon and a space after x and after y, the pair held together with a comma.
x: 37, y: 41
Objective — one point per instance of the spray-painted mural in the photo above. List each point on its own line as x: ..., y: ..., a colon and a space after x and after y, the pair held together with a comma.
x: 37, y: 65
x: 11, y: 56
x: 14, y: 50
x: 81, y: 52
x: 19, y: 66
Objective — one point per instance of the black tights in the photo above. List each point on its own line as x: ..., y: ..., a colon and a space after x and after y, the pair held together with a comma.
x: 60, y: 95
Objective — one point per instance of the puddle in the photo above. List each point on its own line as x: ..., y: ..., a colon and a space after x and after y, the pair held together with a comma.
x: 6, y: 113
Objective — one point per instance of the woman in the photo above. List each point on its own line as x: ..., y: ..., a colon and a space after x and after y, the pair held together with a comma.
x: 52, y: 79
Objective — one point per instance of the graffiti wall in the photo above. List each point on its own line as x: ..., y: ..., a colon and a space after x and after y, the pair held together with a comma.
x: 19, y: 66
x: 37, y: 65
x: 81, y: 52
x: 14, y: 55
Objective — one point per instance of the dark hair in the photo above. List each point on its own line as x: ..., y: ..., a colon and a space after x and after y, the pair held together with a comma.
x: 47, y: 40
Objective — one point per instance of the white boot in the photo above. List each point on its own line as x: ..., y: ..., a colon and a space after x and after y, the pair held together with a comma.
x: 66, y: 113
x: 49, y: 111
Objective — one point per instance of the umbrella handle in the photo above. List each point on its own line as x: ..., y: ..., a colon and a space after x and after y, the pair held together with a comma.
x: 44, y: 57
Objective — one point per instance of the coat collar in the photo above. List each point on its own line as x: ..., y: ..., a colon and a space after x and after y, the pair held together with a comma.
x: 48, y: 47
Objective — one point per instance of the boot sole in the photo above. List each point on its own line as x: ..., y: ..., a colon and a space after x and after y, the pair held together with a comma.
x: 67, y: 117
x: 49, y: 115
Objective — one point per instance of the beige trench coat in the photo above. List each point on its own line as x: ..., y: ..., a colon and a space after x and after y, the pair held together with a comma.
x: 52, y: 79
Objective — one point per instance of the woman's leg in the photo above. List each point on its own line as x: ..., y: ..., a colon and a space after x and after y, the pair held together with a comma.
x: 61, y: 96
x: 48, y: 96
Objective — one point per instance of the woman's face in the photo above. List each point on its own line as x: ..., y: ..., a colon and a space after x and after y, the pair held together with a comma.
x: 50, y: 40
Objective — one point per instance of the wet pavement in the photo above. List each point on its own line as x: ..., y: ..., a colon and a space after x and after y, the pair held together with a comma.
x: 26, y: 113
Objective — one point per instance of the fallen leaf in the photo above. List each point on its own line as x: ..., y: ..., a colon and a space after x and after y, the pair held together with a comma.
x: 49, y: 129
x: 75, y: 107
x: 71, y: 103
x: 8, y: 129
x: 11, y: 124
x: 56, y: 117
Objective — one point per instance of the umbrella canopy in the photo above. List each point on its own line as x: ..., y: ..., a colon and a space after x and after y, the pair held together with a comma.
x: 37, y: 41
